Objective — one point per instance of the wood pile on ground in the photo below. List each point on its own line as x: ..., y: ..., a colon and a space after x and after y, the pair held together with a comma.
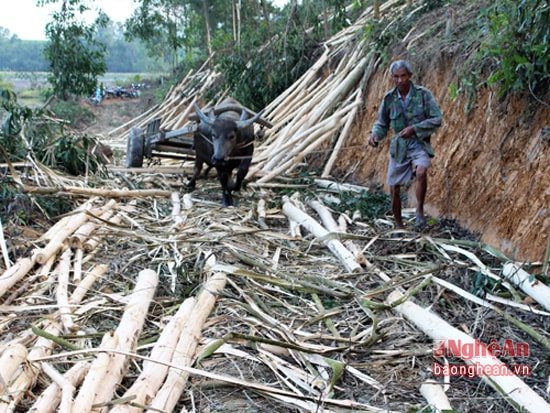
x: 172, y: 303
x: 148, y: 298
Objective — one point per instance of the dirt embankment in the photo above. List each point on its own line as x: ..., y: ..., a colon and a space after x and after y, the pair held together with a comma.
x: 115, y: 112
x: 492, y: 166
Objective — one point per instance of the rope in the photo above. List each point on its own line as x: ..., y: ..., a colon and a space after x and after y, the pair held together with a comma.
x: 240, y: 146
x: 207, y: 139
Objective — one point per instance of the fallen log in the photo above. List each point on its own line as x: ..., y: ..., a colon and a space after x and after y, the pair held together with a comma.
x: 170, y: 392
x: 511, y: 387
x: 22, y: 383
x: 79, y: 237
x: 332, y: 226
x: 15, y: 273
x: 94, y: 379
x: 50, y: 398
x: 84, y: 286
x: 530, y: 286
x: 11, y: 360
x: 58, y: 239
x: 107, y: 372
x: 108, y: 193
x: 62, y: 291
x: 153, y: 374
x: 435, y: 395
x: 4, y: 248
x: 335, y: 246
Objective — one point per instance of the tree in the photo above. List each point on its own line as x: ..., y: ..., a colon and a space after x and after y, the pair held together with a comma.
x: 76, y: 57
x: 161, y: 24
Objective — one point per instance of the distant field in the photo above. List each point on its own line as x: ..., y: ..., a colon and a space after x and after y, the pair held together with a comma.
x: 30, y: 85
x: 37, y: 80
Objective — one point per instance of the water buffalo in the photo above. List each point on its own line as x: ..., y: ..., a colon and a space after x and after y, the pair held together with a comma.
x: 224, y: 141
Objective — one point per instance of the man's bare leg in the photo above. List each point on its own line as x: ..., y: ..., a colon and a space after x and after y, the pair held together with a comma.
x: 421, y: 189
x: 396, y: 206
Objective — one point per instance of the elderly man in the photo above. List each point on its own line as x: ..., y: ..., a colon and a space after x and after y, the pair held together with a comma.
x: 413, y: 114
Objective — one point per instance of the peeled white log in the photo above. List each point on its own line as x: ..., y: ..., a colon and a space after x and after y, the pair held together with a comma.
x: 297, y: 157
x: 63, y: 222
x: 62, y: 291
x: 335, y: 246
x: 81, y: 234
x: 535, y: 289
x: 50, y: 398
x: 77, y: 267
x: 58, y: 239
x: 344, y: 86
x: 127, y: 333
x: 11, y: 359
x: 91, y: 243
x: 94, y: 379
x: 105, y: 371
x: 339, y: 187
x: 84, y: 286
x: 332, y: 226
x: 176, y: 208
x: 169, y: 394
x: 303, y: 141
x: 510, y: 386
x: 67, y: 388
x: 15, y: 273
x: 435, y: 395
x: 4, y: 248
x: 341, y: 139
x: 42, y: 347
x: 152, y: 375
x: 19, y: 387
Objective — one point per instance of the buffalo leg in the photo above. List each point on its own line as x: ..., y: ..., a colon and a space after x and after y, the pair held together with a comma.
x: 241, y: 173
x: 223, y: 176
x: 196, y: 172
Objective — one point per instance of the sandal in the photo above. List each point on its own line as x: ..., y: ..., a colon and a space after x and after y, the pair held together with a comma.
x: 421, y: 221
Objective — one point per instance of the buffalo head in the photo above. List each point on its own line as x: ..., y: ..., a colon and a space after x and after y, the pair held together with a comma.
x: 227, y: 134
x: 225, y: 141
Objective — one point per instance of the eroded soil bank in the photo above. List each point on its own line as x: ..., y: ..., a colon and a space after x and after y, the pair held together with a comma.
x: 492, y: 166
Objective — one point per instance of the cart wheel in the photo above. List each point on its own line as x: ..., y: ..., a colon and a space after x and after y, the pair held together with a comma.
x: 134, y: 150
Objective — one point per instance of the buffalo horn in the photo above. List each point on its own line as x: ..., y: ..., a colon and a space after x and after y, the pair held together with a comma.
x: 241, y: 124
x: 205, y: 119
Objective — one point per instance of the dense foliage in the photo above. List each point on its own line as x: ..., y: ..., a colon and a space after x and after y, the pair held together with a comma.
x: 31, y: 135
x: 518, y: 44
x: 122, y: 56
x: 76, y: 57
x: 26, y: 132
x: 21, y: 55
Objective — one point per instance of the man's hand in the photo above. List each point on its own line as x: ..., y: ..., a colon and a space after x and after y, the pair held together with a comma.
x: 407, y: 133
x: 373, y: 141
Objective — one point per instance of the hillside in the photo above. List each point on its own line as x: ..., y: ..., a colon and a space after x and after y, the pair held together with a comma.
x: 148, y: 297
x: 492, y: 164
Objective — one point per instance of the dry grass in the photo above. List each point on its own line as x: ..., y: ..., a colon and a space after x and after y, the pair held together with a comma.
x: 293, y: 330
x: 290, y: 319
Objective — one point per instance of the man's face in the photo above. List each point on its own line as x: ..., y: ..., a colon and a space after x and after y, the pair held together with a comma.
x: 402, y: 79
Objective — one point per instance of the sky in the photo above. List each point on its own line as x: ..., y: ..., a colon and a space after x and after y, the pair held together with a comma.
x: 27, y: 21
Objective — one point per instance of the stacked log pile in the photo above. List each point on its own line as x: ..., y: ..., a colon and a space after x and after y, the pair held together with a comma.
x: 155, y: 300
x: 138, y: 303
x: 315, y: 112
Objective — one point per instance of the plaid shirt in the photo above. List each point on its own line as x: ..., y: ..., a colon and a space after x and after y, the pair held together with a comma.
x: 422, y: 113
